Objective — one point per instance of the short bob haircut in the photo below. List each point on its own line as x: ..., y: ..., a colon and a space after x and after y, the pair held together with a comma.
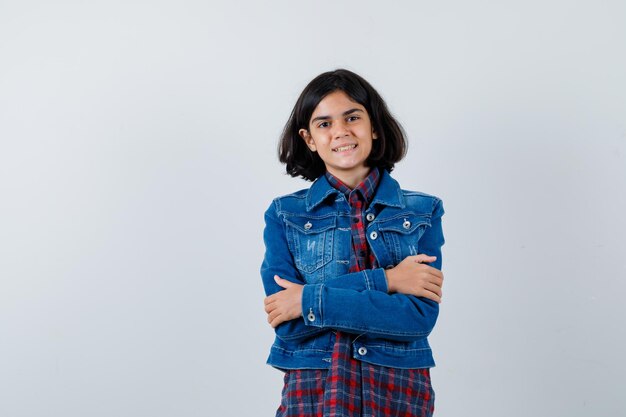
x: 389, y: 148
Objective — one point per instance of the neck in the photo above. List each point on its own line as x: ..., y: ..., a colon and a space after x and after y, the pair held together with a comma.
x: 351, y: 178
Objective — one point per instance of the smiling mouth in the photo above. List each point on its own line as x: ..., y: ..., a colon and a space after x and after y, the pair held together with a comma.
x: 344, y: 148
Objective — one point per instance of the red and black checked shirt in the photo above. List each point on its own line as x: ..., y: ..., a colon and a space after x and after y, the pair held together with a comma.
x: 352, y: 388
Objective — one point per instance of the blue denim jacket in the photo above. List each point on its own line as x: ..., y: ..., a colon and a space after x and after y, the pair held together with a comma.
x: 307, y: 240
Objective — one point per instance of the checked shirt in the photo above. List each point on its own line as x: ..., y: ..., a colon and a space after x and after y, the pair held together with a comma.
x: 352, y: 388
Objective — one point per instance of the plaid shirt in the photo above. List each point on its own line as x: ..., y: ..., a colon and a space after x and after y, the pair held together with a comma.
x: 352, y: 388
x: 361, y: 256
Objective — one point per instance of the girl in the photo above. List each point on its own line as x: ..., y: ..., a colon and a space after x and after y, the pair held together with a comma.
x: 352, y: 264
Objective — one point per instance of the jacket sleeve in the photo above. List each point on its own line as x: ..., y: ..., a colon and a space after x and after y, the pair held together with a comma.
x: 398, y: 317
x: 279, y: 261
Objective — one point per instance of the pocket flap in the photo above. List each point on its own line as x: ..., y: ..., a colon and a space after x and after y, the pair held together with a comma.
x: 310, y: 225
x: 405, y: 224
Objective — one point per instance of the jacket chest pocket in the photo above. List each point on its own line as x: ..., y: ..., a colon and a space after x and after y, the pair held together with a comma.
x: 312, y: 243
x: 402, y: 234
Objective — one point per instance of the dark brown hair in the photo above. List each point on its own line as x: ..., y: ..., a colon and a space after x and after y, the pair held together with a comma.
x: 389, y: 148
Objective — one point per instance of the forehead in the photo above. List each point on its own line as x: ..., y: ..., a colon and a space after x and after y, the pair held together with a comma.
x: 335, y: 103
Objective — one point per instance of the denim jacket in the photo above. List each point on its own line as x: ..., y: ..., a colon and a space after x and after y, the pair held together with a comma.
x: 307, y: 240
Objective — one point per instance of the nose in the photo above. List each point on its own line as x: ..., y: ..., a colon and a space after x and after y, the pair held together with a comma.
x: 340, y: 129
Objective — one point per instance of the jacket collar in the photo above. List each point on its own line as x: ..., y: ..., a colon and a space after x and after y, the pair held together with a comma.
x: 388, y: 192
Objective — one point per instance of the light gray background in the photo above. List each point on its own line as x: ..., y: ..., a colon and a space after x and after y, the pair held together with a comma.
x: 137, y: 156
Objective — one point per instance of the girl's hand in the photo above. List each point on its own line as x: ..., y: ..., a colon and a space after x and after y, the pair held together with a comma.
x: 284, y: 305
x: 412, y: 276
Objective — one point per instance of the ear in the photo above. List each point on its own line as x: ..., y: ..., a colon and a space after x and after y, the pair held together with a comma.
x: 308, y: 139
x: 374, y: 135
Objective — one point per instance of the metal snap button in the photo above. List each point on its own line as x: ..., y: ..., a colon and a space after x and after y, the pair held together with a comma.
x: 307, y: 225
x: 373, y: 235
x: 370, y: 217
x: 362, y: 351
x: 406, y: 224
x: 311, y: 316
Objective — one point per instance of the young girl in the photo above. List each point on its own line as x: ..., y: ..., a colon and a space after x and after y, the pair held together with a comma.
x: 352, y: 264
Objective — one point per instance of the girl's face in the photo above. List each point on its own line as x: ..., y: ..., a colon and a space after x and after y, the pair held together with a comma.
x: 341, y: 132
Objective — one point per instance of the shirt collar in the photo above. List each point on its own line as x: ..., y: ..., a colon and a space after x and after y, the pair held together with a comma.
x: 365, y: 188
x: 387, y: 192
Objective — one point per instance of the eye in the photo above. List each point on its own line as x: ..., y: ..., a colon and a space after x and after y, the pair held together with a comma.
x: 353, y: 118
x: 323, y: 124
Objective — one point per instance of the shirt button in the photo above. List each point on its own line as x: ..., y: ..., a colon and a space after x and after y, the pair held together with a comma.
x: 311, y: 316
x: 362, y: 253
x: 355, y: 220
x: 406, y: 224
x: 373, y: 235
x: 370, y: 217
x: 362, y: 351
x: 307, y: 225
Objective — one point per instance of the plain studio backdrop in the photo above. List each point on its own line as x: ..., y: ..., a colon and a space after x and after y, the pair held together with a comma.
x: 138, y: 154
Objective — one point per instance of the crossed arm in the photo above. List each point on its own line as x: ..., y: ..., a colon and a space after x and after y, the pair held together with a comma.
x: 377, y: 297
x: 412, y: 276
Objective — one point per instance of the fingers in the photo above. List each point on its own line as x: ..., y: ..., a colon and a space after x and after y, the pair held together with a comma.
x: 431, y: 296
x: 275, y: 322
x: 422, y: 257
x: 283, y: 282
x: 435, y: 279
x: 425, y: 289
x: 273, y: 310
x: 435, y: 289
x: 270, y: 307
x: 433, y: 271
x: 275, y: 318
x: 271, y: 316
x: 270, y: 300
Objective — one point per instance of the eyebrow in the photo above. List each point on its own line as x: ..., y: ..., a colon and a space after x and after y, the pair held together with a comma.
x: 345, y: 113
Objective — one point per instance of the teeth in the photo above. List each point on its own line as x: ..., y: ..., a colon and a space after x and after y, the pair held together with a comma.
x: 344, y: 148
